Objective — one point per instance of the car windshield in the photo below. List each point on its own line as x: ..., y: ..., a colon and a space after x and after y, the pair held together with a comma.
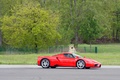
x: 76, y: 55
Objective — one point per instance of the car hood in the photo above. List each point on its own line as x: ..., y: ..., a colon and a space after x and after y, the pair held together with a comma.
x: 90, y: 60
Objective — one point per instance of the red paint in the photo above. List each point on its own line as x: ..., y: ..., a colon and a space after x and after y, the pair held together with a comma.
x: 62, y: 61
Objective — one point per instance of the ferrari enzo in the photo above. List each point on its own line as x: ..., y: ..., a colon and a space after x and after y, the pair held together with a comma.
x: 67, y: 59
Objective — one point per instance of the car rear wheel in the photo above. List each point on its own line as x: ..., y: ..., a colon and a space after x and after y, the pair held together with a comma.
x: 80, y: 64
x: 45, y: 63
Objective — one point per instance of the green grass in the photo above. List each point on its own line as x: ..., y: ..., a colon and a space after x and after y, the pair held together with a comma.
x: 108, y: 54
x: 20, y: 59
x: 105, y: 59
x: 104, y: 48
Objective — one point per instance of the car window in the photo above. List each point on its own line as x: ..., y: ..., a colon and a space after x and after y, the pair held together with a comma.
x: 68, y: 55
x: 76, y: 55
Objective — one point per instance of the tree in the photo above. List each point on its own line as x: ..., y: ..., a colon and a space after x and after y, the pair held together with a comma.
x: 4, y: 9
x: 115, y: 20
x: 84, y: 14
x: 30, y: 26
x: 66, y: 29
x: 90, y: 30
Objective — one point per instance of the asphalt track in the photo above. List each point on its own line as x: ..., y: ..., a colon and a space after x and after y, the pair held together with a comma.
x: 34, y: 72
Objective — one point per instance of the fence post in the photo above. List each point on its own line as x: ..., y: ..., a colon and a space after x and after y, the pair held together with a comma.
x: 85, y: 49
x: 96, y: 50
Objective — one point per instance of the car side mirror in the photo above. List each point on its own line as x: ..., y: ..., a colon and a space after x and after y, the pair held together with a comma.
x: 77, y: 57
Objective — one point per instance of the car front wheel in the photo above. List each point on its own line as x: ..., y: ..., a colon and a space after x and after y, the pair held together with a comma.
x: 45, y: 63
x: 80, y: 64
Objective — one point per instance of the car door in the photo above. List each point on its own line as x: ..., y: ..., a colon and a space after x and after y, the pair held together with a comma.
x: 67, y: 60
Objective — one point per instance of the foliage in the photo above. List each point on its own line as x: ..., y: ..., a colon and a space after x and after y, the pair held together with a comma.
x: 85, y: 20
x: 31, y: 26
x: 115, y: 24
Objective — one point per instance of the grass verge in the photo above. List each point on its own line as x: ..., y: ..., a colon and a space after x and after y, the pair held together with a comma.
x: 105, y: 58
x: 108, y: 54
x: 31, y: 59
x: 20, y: 58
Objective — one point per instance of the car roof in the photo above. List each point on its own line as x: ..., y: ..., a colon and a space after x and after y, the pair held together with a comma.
x: 63, y: 53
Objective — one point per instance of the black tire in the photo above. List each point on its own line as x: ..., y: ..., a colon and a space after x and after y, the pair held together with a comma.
x: 80, y: 64
x: 53, y: 66
x: 45, y: 63
x: 87, y: 68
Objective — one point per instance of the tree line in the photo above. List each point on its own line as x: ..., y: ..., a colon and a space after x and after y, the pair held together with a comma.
x: 42, y: 23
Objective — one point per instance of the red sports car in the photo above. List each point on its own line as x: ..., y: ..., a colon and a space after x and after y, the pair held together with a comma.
x: 67, y: 59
